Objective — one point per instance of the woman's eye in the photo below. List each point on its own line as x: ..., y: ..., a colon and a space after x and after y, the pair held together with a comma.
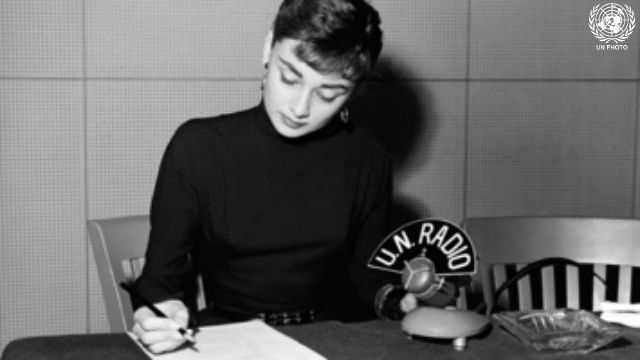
x: 327, y: 97
x: 288, y: 81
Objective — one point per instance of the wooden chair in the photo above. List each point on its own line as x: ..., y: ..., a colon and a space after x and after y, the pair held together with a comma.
x: 604, y: 247
x: 118, y: 245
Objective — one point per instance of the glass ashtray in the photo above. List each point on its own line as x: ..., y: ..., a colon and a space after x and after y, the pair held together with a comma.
x: 559, y: 330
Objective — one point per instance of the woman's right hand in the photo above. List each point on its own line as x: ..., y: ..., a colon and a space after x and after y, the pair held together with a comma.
x: 161, y: 334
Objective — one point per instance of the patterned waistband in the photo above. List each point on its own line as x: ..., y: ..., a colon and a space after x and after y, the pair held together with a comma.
x: 274, y: 318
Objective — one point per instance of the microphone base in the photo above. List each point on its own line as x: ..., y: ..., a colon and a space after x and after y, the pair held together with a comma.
x: 438, y: 323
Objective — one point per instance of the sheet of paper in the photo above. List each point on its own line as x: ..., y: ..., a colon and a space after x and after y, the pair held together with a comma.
x: 628, y: 319
x: 245, y: 340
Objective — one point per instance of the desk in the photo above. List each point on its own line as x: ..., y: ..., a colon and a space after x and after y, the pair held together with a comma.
x: 374, y: 340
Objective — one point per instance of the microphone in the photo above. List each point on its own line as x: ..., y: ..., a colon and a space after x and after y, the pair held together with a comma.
x: 423, y: 252
x: 420, y: 279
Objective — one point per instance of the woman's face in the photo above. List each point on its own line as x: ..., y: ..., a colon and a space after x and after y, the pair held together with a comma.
x: 298, y: 99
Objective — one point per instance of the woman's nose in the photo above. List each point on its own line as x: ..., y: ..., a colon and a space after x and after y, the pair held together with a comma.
x: 301, y: 105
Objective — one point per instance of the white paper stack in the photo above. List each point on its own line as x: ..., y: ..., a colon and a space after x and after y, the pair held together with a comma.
x: 251, y: 340
x: 625, y: 314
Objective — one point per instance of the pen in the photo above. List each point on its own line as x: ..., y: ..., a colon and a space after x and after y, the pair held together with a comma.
x: 185, y: 333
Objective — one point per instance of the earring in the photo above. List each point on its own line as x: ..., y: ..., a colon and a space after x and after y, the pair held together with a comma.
x: 264, y: 77
x: 344, y: 115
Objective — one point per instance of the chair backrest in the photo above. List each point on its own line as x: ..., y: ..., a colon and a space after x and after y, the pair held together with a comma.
x: 607, y: 247
x: 117, y: 244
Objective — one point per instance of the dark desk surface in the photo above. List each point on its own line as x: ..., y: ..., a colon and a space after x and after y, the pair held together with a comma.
x: 367, y: 340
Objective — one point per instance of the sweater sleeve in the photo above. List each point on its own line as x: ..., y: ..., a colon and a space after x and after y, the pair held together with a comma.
x: 371, y: 285
x: 174, y: 221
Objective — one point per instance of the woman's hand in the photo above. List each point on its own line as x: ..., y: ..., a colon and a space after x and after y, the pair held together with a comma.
x: 444, y: 296
x: 408, y: 302
x: 161, y: 334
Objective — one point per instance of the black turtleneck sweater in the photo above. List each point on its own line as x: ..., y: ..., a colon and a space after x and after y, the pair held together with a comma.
x: 271, y: 223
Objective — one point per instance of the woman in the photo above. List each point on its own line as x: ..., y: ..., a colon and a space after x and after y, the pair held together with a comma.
x: 280, y: 206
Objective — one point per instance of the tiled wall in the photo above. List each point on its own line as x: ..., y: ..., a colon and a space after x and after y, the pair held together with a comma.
x: 490, y: 107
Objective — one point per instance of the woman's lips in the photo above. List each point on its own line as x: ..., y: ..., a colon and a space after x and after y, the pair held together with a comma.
x: 291, y: 123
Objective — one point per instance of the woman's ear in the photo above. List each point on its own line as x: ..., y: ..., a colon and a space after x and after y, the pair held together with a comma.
x: 266, y: 50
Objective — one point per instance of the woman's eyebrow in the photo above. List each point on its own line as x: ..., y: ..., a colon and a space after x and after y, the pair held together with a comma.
x: 293, y: 69
x: 345, y: 88
x: 290, y: 66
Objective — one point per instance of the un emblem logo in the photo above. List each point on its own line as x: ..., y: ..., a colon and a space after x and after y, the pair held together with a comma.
x: 612, y: 22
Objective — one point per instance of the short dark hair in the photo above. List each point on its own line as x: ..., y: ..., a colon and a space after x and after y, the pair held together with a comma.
x: 341, y: 36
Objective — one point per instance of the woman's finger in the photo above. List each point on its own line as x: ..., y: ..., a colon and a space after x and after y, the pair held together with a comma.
x: 408, y: 303
x: 164, y: 346
x: 152, y: 323
x: 150, y: 338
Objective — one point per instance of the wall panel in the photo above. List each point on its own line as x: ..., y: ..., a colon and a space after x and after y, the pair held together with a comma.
x: 177, y: 39
x: 547, y: 40
x: 551, y: 148
x: 43, y: 255
x: 40, y: 38
x: 636, y: 179
x: 424, y: 39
